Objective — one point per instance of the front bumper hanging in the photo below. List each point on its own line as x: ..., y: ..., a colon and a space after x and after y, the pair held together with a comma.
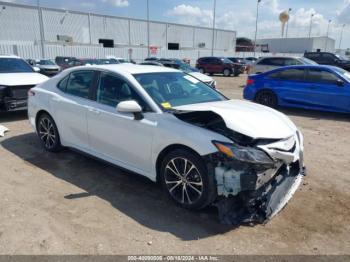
x: 259, y: 206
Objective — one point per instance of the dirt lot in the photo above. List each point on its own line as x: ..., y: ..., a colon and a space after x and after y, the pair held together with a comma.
x: 67, y: 203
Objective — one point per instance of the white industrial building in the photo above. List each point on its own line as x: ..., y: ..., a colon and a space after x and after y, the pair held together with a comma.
x: 33, y: 32
x: 296, y: 45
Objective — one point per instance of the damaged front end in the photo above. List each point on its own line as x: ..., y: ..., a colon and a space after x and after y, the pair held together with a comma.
x: 255, y: 182
x: 255, y: 177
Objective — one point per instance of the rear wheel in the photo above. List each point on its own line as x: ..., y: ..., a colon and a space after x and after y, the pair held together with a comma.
x: 48, y: 133
x: 227, y: 72
x: 186, y: 180
x: 201, y: 70
x: 266, y: 98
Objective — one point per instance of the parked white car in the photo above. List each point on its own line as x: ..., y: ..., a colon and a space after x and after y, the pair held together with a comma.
x: 16, y: 78
x: 204, y: 78
x: 170, y: 127
x: 265, y: 64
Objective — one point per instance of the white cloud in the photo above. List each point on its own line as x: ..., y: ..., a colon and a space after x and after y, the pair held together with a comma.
x: 343, y: 15
x: 193, y: 15
x: 117, y: 3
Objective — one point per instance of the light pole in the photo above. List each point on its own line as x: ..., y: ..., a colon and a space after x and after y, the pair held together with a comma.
x: 341, y: 35
x: 329, y: 23
x: 312, y: 15
x: 41, y: 27
x: 212, y: 40
x: 289, y: 10
x: 256, y: 24
x: 148, y: 43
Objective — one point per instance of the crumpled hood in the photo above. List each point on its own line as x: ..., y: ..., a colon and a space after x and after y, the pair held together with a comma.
x: 248, y: 118
x: 21, y: 79
x: 201, y: 77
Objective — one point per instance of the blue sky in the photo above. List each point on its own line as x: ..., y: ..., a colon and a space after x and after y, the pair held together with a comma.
x: 236, y: 15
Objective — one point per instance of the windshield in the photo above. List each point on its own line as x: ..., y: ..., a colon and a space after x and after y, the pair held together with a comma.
x: 187, y: 68
x: 307, y: 61
x: 176, y: 89
x: 14, y: 65
x: 341, y: 57
x: 226, y: 60
x: 45, y: 62
x: 343, y: 73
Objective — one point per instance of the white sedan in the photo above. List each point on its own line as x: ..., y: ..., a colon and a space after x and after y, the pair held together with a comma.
x: 203, y: 148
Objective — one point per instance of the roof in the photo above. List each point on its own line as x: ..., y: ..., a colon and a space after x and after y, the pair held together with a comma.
x: 131, y: 68
x: 300, y: 66
x: 263, y: 57
x: 8, y: 56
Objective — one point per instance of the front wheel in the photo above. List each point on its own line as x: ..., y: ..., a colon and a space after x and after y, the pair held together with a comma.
x: 266, y: 98
x: 201, y: 70
x: 227, y: 72
x: 48, y: 133
x: 186, y: 180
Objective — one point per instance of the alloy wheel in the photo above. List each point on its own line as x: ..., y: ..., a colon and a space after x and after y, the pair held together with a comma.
x: 47, y: 132
x: 183, y: 181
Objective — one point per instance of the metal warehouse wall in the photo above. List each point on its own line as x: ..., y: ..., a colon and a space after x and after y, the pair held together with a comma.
x: 298, y: 45
x: 20, y: 26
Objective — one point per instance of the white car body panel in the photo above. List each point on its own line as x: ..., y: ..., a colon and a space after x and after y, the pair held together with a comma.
x: 21, y: 79
x: 202, y: 77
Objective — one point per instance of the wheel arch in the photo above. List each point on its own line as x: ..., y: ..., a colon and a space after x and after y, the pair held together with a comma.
x: 40, y: 113
x: 168, y: 149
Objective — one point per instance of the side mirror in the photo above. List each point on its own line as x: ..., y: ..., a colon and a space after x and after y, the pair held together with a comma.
x: 36, y: 69
x: 130, y: 106
x: 340, y: 82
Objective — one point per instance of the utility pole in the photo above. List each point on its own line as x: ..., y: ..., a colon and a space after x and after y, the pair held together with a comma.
x: 329, y: 23
x: 256, y: 24
x: 213, y: 41
x: 41, y: 28
x: 312, y: 15
x: 148, y: 42
x: 341, y: 35
x: 289, y: 10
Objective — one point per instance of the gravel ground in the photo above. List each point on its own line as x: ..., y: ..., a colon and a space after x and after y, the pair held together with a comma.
x: 67, y: 203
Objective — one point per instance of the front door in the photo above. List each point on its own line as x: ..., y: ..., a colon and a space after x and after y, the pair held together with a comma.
x: 326, y: 91
x: 118, y: 136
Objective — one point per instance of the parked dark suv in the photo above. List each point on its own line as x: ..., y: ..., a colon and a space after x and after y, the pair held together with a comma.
x: 325, y: 58
x: 217, y: 65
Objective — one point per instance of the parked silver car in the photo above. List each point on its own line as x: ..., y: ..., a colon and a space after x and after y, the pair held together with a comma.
x: 265, y: 64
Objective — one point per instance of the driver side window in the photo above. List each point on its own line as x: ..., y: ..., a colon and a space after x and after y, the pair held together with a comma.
x: 112, y: 90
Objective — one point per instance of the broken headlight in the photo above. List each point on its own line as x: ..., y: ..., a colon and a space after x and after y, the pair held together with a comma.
x: 244, y: 154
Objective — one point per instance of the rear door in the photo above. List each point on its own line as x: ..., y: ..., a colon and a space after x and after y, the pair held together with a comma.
x: 326, y: 91
x: 70, y: 107
x: 290, y: 86
x: 214, y: 65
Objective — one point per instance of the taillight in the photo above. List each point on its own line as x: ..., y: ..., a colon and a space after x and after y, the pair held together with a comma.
x: 31, y: 92
x: 250, y: 81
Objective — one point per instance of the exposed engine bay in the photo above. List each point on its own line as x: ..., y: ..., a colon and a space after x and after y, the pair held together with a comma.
x: 260, y: 176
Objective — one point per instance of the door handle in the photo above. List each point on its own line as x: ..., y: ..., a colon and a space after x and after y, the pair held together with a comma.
x: 95, y: 111
x: 56, y: 99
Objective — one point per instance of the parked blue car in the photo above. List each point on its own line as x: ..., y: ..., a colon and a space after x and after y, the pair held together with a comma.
x: 325, y: 88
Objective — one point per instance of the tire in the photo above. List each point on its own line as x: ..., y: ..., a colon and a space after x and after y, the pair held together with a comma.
x: 227, y: 72
x: 267, y: 98
x: 48, y: 133
x: 201, y: 70
x: 195, y: 190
